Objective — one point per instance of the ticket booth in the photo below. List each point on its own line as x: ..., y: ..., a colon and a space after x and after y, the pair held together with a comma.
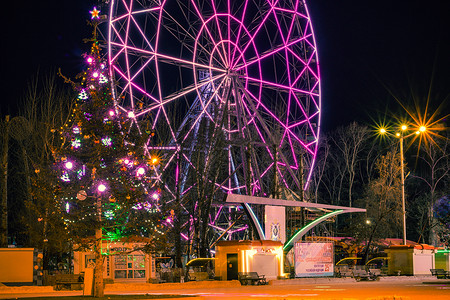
x: 262, y: 256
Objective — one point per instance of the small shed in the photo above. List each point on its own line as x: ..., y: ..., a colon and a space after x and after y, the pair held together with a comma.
x: 262, y: 256
x: 21, y: 265
x: 442, y: 259
x: 123, y: 261
x: 410, y: 259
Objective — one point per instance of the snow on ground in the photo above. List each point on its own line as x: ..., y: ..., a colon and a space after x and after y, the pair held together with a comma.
x: 172, y: 286
x: 130, y: 286
x: 140, y: 286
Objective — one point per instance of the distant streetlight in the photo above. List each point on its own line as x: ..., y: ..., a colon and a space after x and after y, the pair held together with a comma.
x: 401, y: 135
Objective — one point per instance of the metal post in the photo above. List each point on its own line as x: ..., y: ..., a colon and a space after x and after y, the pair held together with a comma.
x: 403, y: 189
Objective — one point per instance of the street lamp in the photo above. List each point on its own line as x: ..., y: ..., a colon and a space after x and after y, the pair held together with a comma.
x: 401, y: 135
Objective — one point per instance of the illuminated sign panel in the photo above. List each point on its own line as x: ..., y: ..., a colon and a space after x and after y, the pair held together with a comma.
x: 275, y: 223
x: 314, y: 259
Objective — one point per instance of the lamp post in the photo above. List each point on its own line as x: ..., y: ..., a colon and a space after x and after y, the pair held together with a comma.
x: 401, y: 137
x: 403, y: 186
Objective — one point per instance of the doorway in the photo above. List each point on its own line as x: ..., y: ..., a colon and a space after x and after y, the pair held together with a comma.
x: 232, y: 266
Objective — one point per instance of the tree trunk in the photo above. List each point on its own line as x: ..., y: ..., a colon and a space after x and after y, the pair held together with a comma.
x: 98, y: 270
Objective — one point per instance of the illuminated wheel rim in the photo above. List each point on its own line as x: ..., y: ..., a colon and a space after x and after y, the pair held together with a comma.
x: 256, y: 60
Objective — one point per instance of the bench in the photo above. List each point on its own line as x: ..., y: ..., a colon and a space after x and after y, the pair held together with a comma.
x: 375, y: 272
x: 252, y: 278
x: 343, y: 271
x: 440, y: 273
x: 362, y: 274
x: 68, y: 281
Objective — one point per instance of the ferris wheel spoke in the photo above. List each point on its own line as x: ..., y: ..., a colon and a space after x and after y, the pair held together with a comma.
x: 181, y: 93
x: 294, y: 16
x: 268, y: 53
x: 255, y: 33
x: 146, y: 10
x: 238, y: 36
x: 127, y: 63
x: 268, y: 111
x: 277, y: 87
x: 130, y: 84
x: 185, y: 63
x: 167, y: 119
x: 185, y: 32
x: 302, y: 109
x: 167, y: 58
x: 306, y: 64
x: 229, y: 29
x: 144, y: 37
x: 143, y: 66
x: 205, y: 26
x: 203, y: 111
x: 117, y: 35
x: 274, y: 12
x: 305, y: 114
x: 225, y: 56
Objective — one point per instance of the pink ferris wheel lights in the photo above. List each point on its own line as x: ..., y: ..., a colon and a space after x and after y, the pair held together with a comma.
x: 246, y: 70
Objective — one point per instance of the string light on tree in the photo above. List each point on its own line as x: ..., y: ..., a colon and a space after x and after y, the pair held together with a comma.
x: 101, y: 188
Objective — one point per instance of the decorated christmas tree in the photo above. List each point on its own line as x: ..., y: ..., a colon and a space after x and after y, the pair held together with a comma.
x: 107, y: 187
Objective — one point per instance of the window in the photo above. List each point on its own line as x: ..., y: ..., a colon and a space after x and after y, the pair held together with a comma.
x: 129, y: 266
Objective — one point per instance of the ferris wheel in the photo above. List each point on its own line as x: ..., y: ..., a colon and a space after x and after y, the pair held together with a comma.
x: 232, y: 84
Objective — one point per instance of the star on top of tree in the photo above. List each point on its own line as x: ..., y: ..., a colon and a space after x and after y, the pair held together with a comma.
x: 95, y: 14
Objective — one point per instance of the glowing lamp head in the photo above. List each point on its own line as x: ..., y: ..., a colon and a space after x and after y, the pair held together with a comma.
x: 422, y: 128
x: 141, y: 171
x: 101, y: 188
x: 382, y: 130
x: 154, y: 160
x: 111, y: 113
x: 130, y: 114
x: 69, y: 165
x: 404, y: 127
x: 398, y: 134
x: 89, y: 59
x: 95, y: 74
x: 155, y: 196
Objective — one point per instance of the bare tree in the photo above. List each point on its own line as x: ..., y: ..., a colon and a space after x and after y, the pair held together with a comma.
x: 321, y: 163
x: 333, y: 179
x: 382, y: 201
x: 45, y: 108
x: 435, y: 159
x: 350, y: 142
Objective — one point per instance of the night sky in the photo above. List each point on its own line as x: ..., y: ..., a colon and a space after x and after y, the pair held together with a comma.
x: 369, y: 52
